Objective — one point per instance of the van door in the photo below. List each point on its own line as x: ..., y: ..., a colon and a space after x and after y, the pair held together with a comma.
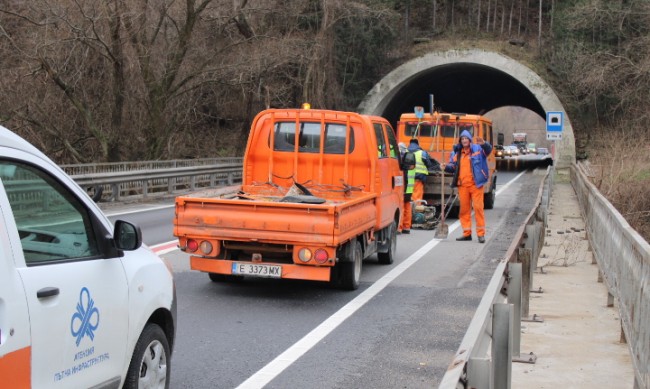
x: 77, y: 299
x: 392, y: 179
x: 15, y: 351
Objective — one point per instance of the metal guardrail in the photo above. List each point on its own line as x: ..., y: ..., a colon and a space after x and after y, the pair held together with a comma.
x: 120, y: 181
x: 493, y: 339
x: 110, y: 167
x: 623, y: 257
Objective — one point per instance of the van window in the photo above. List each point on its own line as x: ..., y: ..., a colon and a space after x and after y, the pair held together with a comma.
x: 392, y: 141
x: 53, y: 224
x: 381, y: 142
x: 447, y: 130
x: 309, y: 137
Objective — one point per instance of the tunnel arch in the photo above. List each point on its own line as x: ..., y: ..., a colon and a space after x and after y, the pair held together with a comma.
x: 472, y: 81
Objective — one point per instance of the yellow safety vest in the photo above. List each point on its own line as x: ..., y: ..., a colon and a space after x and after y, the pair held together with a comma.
x: 410, y: 181
x: 420, y: 167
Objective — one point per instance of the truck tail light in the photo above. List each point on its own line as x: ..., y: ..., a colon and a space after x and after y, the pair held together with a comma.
x: 192, y: 245
x: 304, y: 255
x: 206, y: 247
x: 320, y: 256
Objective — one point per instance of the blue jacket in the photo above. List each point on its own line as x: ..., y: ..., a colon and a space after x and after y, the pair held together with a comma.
x: 478, y: 159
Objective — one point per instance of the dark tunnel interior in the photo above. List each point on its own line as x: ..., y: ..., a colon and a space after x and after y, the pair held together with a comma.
x: 461, y: 87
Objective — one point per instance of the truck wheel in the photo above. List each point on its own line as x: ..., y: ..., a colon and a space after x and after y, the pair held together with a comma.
x: 350, y: 271
x: 488, y: 198
x: 149, y: 366
x: 214, y: 277
x: 388, y: 257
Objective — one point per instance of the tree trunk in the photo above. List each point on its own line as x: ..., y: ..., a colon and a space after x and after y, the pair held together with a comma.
x: 489, y: 13
x: 539, y: 33
x: 433, y: 25
x: 512, y: 8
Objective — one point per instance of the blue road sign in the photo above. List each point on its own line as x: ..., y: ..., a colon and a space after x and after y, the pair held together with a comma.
x: 554, y: 125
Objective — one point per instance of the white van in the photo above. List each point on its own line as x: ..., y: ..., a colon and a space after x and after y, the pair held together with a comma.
x: 82, y: 303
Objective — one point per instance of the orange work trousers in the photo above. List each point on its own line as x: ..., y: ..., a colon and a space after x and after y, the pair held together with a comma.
x: 471, y: 197
x: 418, y: 191
x: 407, y: 216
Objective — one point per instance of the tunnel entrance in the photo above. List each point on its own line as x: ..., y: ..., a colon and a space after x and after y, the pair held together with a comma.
x: 468, y: 81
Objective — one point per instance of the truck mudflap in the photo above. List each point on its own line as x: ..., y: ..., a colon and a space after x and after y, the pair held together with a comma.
x: 267, y: 270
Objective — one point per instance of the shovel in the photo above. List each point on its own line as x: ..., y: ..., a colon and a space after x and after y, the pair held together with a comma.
x: 443, y: 229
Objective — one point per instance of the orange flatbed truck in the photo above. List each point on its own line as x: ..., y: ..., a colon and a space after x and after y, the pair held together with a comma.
x: 321, y: 191
x: 437, y: 134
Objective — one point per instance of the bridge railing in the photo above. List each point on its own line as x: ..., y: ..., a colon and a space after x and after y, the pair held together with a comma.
x: 132, y: 180
x: 623, y: 257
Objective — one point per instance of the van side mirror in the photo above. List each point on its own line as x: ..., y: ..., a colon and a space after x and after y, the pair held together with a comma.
x: 127, y: 236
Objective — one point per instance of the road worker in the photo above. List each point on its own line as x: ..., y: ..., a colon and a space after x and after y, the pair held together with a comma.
x: 468, y: 162
x: 409, y: 179
x: 422, y: 165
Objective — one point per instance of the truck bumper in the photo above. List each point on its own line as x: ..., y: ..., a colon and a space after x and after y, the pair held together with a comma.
x: 289, y: 271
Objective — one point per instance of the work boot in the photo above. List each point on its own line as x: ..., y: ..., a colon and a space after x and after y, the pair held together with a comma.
x: 464, y: 238
x: 406, y: 231
x: 481, y: 239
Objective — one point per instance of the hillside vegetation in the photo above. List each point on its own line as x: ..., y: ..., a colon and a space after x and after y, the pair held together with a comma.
x: 92, y: 81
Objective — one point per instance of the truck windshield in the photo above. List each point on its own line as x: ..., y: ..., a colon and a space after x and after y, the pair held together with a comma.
x: 309, y: 138
x: 446, y: 130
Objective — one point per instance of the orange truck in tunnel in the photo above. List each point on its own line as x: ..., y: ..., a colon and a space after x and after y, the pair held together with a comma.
x: 321, y: 190
x: 437, y: 134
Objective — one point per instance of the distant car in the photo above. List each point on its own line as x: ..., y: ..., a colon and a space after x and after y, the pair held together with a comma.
x: 522, y: 149
x: 532, y: 148
x: 506, y: 151
x: 499, y: 151
x: 542, y: 151
x: 514, y: 150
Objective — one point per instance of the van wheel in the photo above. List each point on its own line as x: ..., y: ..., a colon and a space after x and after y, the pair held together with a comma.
x: 350, y: 272
x: 389, y: 256
x: 214, y: 277
x: 488, y: 198
x: 149, y: 366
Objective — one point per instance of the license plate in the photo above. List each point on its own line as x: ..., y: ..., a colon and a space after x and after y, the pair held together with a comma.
x: 257, y: 270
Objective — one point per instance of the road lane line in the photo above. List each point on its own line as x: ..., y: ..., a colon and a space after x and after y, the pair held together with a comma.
x: 110, y: 213
x: 164, y: 248
x: 301, y: 347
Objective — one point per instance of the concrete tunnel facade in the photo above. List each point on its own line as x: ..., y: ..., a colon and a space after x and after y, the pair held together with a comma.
x: 469, y: 81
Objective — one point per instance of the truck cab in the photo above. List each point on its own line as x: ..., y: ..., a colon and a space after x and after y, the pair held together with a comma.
x: 82, y: 302
x: 437, y: 133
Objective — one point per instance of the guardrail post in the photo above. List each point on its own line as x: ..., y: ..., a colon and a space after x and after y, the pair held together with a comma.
x: 115, y: 195
x: 524, y: 257
x: 478, y: 373
x: 231, y: 179
x: 171, y: 185
x: 515, y: 294
x: 502, y: 346
x: 514, y: 298
x: 145, y: 188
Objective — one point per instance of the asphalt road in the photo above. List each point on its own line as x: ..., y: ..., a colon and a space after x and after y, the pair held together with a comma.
x: 400, y: 329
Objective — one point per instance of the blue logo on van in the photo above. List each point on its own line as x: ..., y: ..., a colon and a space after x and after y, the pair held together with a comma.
x: 86, y: 320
